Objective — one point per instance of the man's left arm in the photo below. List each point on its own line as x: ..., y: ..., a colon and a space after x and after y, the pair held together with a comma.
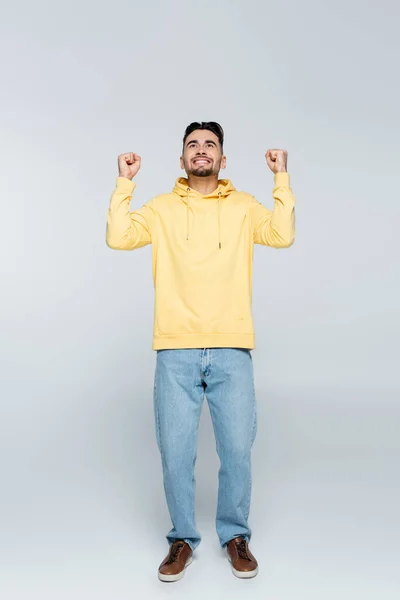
x: 275, y: 228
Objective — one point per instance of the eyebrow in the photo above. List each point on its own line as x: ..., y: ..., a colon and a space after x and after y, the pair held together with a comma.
x: 197, y: 141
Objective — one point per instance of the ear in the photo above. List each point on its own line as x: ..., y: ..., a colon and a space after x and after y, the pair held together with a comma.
x: 223, y: 162
x: 182, y: 165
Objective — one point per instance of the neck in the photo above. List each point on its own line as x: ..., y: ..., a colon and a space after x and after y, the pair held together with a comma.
x: 203, y: 185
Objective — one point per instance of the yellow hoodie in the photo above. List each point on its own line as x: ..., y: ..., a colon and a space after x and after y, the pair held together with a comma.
x: 202, y: 254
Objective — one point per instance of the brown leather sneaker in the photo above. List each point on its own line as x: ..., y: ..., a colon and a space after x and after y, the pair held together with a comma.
x: 244, y: 565
x: 173, y: 566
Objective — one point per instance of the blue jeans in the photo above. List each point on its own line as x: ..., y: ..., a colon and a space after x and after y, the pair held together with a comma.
x: 225, y: 377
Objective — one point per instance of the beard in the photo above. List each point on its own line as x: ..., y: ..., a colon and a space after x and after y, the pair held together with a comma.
x: 202, y: 171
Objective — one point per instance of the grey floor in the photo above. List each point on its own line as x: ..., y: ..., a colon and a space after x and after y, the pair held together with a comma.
x: 324, y: 509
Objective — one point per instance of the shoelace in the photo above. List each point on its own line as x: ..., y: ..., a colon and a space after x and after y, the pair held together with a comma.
x: 242, y: 550
x: 175, y: 550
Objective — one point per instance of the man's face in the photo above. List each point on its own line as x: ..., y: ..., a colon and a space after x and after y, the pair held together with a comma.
x: 202, y: 155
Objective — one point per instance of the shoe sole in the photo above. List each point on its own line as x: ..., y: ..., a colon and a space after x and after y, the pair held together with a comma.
x: 178, y: 576
x: 243, y: 574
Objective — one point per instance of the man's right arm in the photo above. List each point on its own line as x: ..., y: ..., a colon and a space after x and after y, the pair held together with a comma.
x: 128, y: 230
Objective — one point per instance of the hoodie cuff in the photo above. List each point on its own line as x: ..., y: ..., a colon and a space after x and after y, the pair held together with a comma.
x: 125, y: 184
x: 281, y: 180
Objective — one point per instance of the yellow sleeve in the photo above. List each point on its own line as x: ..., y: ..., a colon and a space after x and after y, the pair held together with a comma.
x: 128, y: 230
x: 275, y: 227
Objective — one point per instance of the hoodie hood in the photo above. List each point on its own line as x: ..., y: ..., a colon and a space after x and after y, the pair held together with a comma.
x: 223, y: 190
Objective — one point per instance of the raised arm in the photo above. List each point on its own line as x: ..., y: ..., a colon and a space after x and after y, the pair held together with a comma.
x: 128, y: 230
x: 275, y: 228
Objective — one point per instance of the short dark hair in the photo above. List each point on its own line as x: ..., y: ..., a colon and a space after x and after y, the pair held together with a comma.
x: 210, y: 126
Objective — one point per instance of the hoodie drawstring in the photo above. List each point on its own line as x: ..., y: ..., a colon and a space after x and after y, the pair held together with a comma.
x: 219, y: 225
x: 187, y: 214
x: 187, y: 217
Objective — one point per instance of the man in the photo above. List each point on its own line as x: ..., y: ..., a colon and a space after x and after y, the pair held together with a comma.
x: 202, y: 236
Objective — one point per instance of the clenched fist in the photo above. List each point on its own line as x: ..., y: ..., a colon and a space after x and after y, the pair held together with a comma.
x: 128, y: 164
x: 277, y: 160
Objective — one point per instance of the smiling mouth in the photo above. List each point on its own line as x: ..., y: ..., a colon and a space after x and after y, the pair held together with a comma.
x: 201, y: 161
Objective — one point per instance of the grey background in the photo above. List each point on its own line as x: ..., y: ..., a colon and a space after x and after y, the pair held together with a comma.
x: 83, y: 513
